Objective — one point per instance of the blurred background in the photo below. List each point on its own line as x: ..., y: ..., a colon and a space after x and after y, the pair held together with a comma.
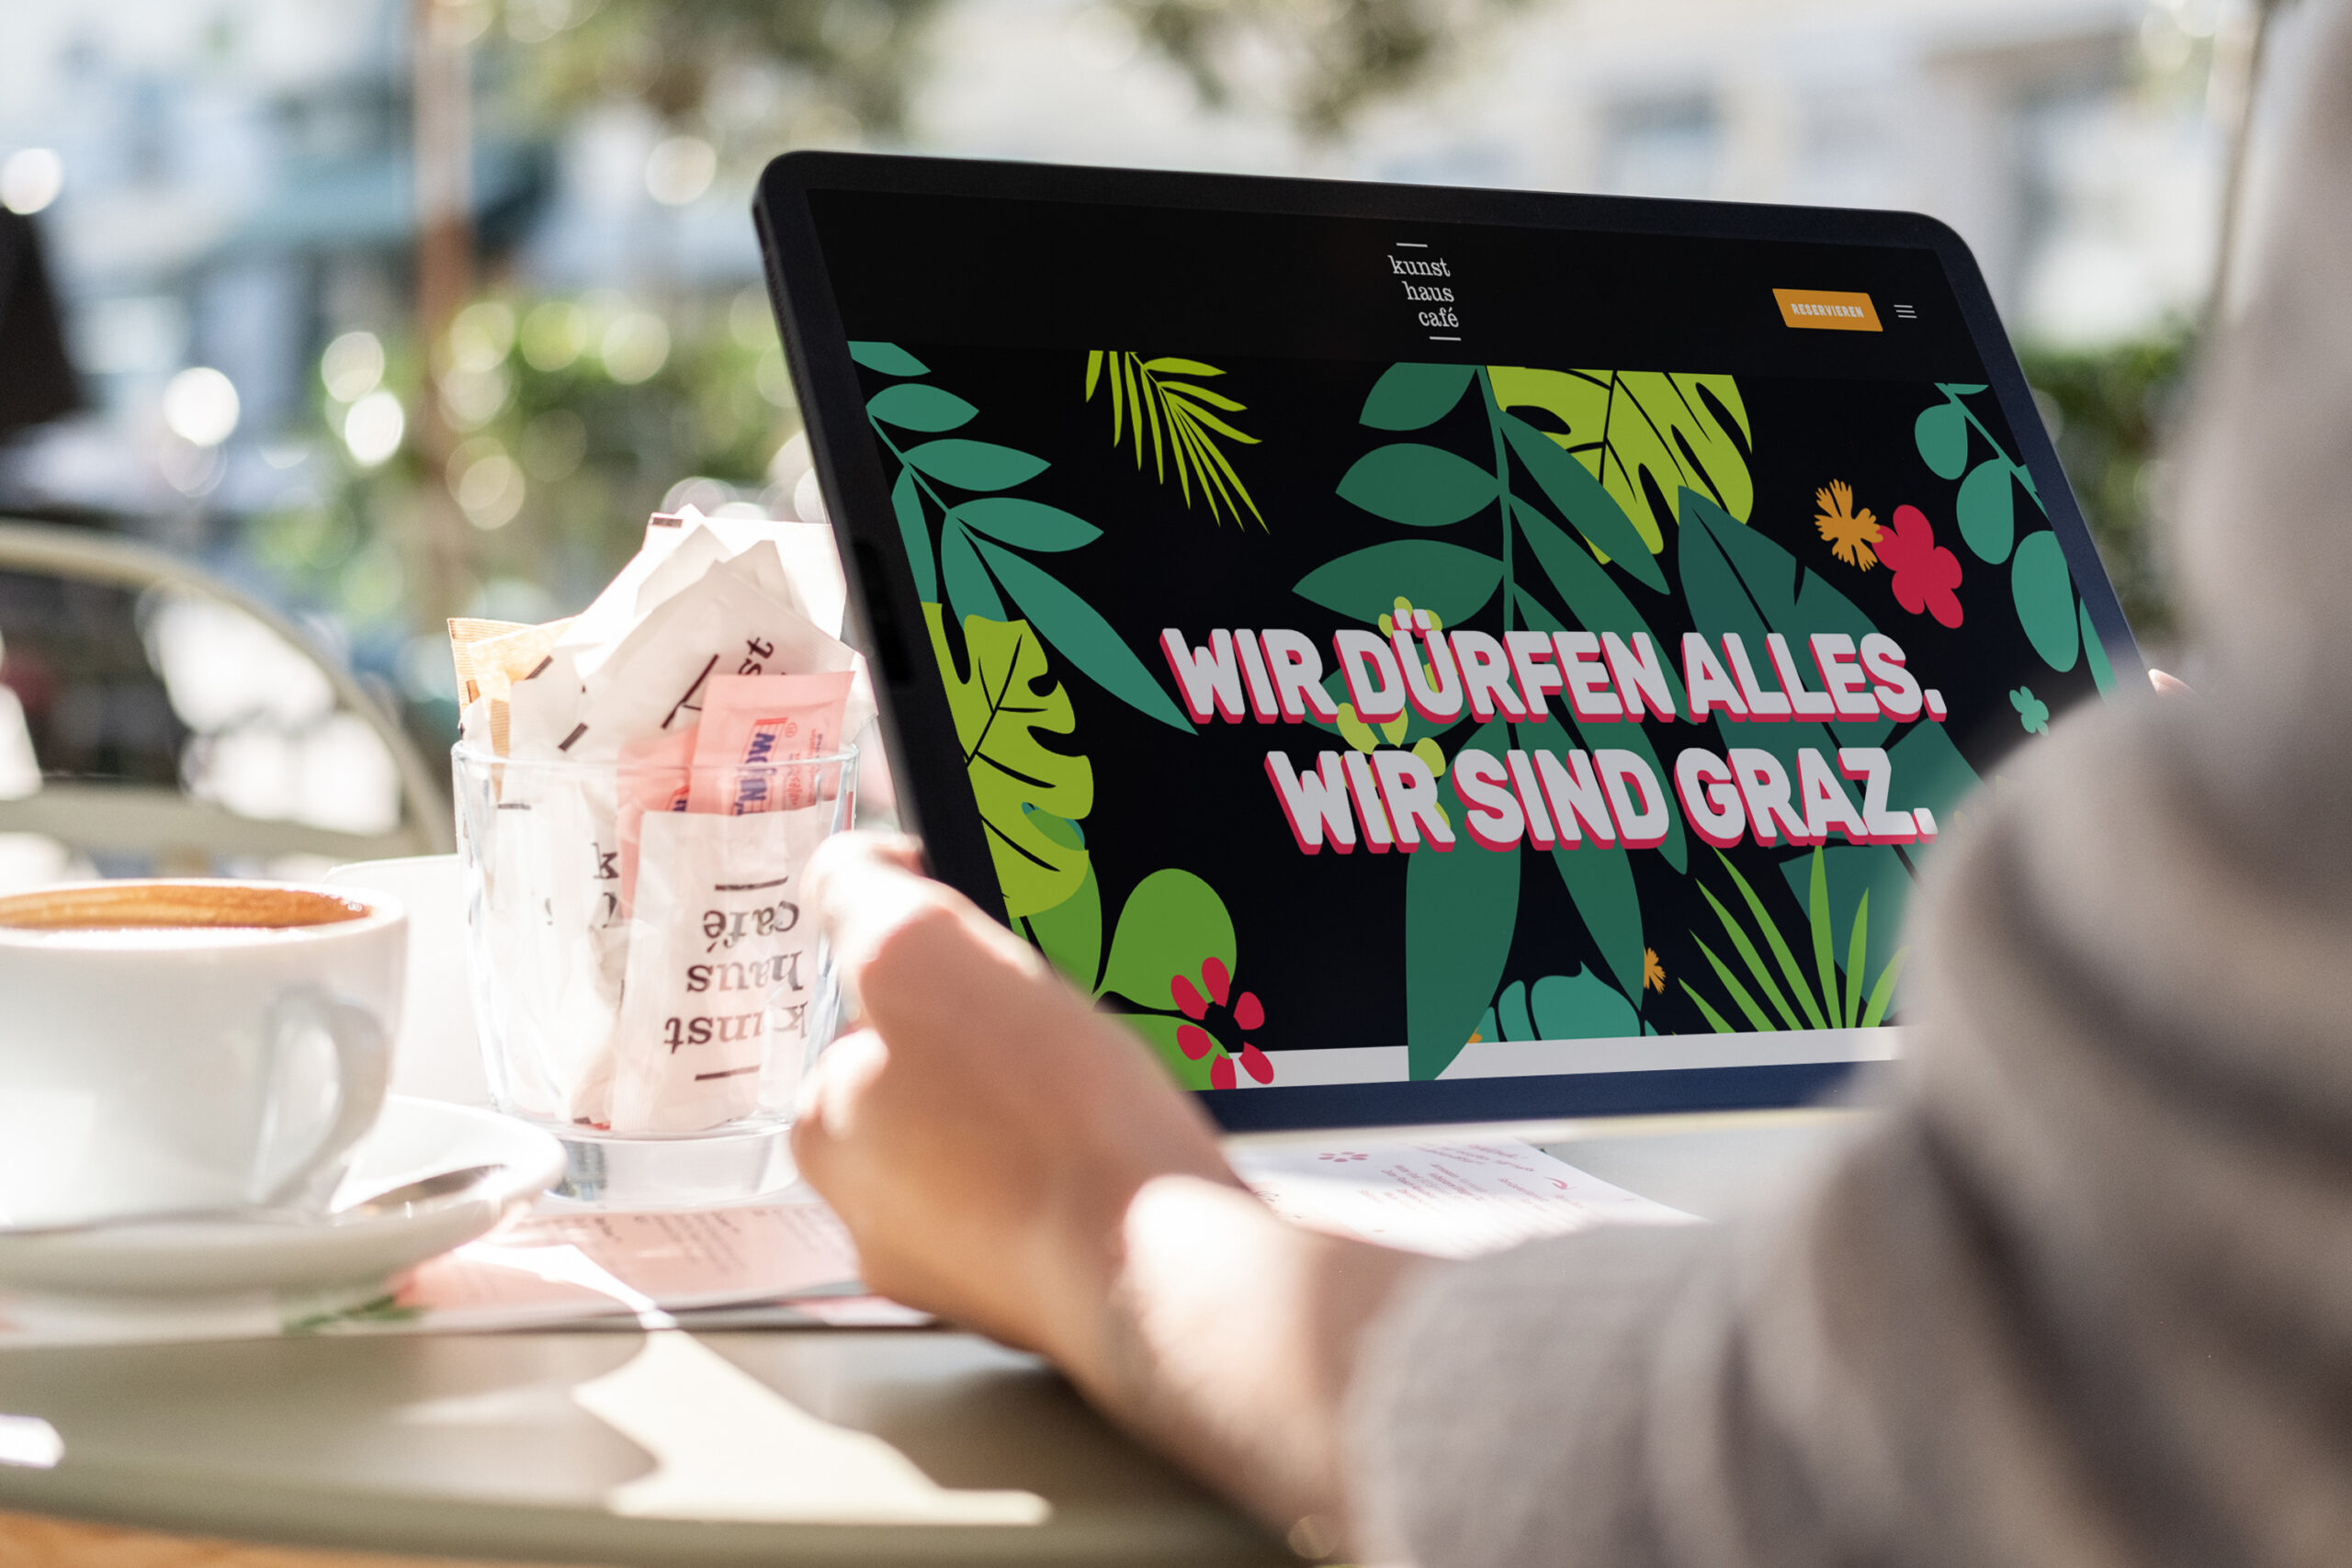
x: 377, y: 311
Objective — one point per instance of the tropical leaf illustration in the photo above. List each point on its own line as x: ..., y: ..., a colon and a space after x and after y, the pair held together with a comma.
x: 2054, y: 620
x: 1645, y: 435
x: 1823, y: 995
x: 1581, y: 1006
x: 1002, y: 707
x: 1460, y: 910
x: 969, y: 559
x: 1162, y: 403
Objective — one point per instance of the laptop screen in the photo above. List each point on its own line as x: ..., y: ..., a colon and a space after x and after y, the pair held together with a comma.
x: 1381, y: 653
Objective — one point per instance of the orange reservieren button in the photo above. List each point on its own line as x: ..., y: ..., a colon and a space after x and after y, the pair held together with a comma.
x: 1827, y: 310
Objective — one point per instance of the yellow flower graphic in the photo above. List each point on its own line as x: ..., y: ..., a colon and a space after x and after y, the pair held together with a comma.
x: 1653, y: 972
x: 1850, y: 533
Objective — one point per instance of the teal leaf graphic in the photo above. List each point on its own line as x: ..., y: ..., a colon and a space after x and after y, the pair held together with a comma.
x: 1409, y: 396
x: 914, y: 405
x: 1589, y: 508
x: 1364, y: 585
x: 907, y: 501
x: 1031, y: 525
x: 969, y: 592
x: 1633, y: 737
x: 1600, y: 882
x: 1418, y: 485
x: 975, y: 465
x: 1078, y: 632
x: 1593, y: 599
x: 1461, y: 906
x: 2045, y: 599
x: 2032, y: 712
x: 1988, y: 508
x: 888, y: 358
x: 1581, y: 1006
x: 1942, y: 436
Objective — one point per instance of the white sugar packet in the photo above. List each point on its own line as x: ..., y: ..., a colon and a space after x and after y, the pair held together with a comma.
x: 721, y: 979
x: 724, y: 624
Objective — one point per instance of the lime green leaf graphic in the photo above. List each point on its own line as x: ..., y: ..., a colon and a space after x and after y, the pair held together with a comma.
x: 1418, y: 485
x: 905, y: 501
x: 1071, y: 933
x: 2045, y: 599
x: 1182, y: 422
x: 1645, y: 435
x: 975, y: 465
x: 1412, y: 396
x: 1001, y: 710
x: 1363, y: 584
x: 916, y: 405
x: 1780, y: 994
x: 888, y: 358
x: 1031, y: 525
x: 1583, y: 502
x: 1987, y: 511
x: 1942, y: 433
x: 1172, y: 922
x: 1079, y: 634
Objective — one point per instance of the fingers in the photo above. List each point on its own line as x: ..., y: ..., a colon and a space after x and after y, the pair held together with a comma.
x: 864, y: 887
x: 830, y: 1095
x: 2168, y: 686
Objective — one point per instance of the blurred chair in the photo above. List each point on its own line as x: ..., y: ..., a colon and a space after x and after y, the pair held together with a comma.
x: 157, y: 719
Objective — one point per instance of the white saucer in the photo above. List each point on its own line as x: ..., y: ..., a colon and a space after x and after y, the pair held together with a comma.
x: 414, y: 1138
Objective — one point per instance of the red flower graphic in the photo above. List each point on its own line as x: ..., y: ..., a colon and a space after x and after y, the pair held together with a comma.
x: 1247, y: 1012
x: 1925, y: 572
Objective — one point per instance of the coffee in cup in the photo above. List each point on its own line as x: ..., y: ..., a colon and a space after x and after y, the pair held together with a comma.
x: 171, y: 1045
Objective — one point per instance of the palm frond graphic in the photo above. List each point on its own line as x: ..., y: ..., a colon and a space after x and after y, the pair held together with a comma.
x: 1830, y: 1007
x: 1161, y: 402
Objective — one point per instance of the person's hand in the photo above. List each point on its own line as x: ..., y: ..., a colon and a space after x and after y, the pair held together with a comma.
x: 2168, y: 686
x: 1008, y: 1157
x: 984, y: 1131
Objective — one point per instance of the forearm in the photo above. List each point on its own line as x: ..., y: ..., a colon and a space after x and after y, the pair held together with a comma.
x: 1227, y: 1338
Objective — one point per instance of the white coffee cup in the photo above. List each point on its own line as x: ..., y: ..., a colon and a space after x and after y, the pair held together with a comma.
x: 172, y: 1046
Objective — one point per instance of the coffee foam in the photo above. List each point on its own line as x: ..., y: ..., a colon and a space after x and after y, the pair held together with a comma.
x: 204, y: 910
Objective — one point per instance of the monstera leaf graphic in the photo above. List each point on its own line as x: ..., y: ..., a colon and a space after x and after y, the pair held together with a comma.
x: 1645, y: 435
x: 1001, y: 708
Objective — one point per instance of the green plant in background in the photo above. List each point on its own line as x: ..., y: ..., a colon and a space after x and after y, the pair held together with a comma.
x: 2109, y: 410
x: 1183, y: 431
x: 965, y: 538
x: 1818, y: 1001
x: 572, y: 417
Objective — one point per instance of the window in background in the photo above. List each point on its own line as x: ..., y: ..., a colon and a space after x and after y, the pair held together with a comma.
x: 1670, y: 146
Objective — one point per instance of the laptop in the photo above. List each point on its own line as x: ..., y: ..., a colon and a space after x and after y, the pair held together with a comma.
x: 1435, y: 655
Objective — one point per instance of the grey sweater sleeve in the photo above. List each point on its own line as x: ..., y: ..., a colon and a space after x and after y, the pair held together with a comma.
x: 2083, y: 1294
